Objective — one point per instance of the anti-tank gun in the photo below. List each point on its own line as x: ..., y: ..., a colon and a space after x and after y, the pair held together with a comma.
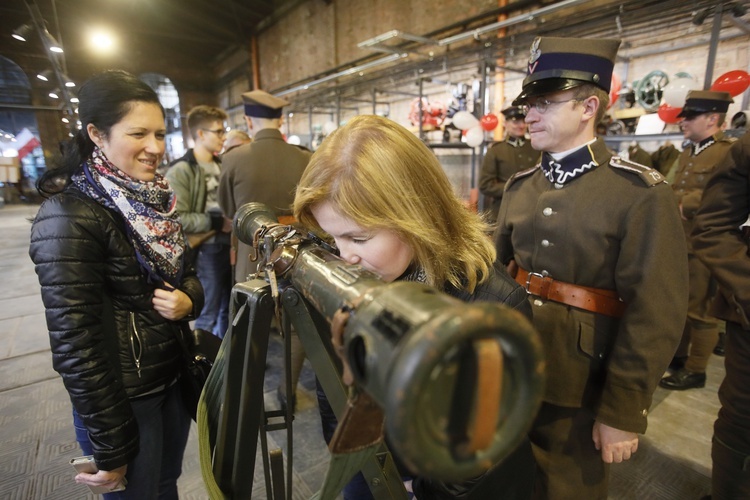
x: 459, y: 383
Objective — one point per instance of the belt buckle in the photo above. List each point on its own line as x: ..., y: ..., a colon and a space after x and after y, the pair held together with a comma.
x: 528, y: 280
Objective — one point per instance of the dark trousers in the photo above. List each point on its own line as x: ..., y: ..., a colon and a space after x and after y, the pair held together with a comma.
x: 215, y: 274
x: 163, y: 426
x: 568, y: 464
x: 731, y: 445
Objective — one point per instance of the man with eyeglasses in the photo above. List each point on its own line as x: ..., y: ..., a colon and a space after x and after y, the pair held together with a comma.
x: 596, y: 241
x: 195, y: 180
x: 703, y: 116
x: 505, y: 158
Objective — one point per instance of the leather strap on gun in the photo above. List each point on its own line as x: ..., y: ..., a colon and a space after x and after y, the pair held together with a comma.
x: 596, y: 300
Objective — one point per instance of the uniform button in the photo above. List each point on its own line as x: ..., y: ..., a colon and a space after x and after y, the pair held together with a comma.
x: 547, y: 212
x: 558, y: 186
x: 545, y: 273
x: 545, y: 243
x: 601, y: 355
x: 644, y: 412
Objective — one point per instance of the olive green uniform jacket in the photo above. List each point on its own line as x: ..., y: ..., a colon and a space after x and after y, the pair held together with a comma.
x: 503, y: 159
x: 692, y: 174
x: 614, y: 227
x: 265, y: 171
x: 717, y: 237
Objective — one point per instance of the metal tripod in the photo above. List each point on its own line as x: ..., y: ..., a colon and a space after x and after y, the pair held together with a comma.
x: 242, y: 418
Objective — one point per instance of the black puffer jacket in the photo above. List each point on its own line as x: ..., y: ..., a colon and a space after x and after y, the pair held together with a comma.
x: 108, y: 343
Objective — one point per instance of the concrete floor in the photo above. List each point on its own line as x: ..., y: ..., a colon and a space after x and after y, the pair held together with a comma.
x: 36, y: 436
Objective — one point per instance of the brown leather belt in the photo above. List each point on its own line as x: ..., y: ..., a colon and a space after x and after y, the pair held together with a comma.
x: 597, y: 300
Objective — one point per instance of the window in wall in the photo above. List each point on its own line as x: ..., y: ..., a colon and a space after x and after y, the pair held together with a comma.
x: 170, y: 99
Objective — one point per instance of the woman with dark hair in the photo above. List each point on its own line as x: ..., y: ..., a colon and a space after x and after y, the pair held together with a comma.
x: 108, y: 249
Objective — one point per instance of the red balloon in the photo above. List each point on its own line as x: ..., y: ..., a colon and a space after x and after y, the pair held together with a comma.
x: 668, y: 114
x: 735, y: 82
x: 488, y: 122
x: 614, y: 90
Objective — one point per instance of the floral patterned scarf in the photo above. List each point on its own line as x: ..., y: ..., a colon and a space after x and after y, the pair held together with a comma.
x: 148, y: 209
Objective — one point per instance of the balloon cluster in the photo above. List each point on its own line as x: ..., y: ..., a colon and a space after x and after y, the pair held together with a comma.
x: 473, y: 129
x: 734, y: 82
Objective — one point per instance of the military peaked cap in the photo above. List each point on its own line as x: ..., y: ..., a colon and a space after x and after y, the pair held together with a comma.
x: 705, y: 101
x: 513, y: 112
x: 563, y: 63
x: 261, y: 104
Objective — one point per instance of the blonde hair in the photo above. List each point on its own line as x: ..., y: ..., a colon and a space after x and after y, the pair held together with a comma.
x: 382, y: 177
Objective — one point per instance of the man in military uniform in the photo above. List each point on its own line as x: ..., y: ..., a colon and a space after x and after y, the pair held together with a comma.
x: 266, y: 170
x: 596, y: 240
x: 702, y: 118
x: 505, y: 158
x: 720, y: 238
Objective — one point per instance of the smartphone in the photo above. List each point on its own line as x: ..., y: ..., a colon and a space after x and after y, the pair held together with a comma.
x: 86, y: 464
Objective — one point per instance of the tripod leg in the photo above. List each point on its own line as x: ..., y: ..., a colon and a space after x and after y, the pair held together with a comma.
x: 240, y: 418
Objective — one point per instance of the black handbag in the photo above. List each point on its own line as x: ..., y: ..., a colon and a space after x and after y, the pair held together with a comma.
x: 200, y: 348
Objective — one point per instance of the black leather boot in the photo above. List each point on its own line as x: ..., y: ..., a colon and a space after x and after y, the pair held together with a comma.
x: 682, y: 380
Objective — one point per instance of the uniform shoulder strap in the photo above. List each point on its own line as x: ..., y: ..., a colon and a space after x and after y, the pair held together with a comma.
x: 649, y: 176
x: 522, y: 174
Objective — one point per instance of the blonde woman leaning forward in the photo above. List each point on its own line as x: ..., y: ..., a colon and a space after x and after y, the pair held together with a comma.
x: 384, y: 199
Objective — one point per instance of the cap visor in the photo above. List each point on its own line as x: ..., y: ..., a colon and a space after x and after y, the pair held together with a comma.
x: 546, y: 86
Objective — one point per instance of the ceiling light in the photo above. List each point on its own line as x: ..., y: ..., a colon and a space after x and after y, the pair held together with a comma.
x: 65, y: 120
x: 52, y: 44
x: 73, y: 99
x: 69, y: 84
x: 102, y: 40
x: 21, y: 32
x: 45, y: 75
x: 54, y: 94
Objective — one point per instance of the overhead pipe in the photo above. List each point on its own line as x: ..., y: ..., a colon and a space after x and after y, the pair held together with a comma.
x: 350, y: 71
x: 529, y: 16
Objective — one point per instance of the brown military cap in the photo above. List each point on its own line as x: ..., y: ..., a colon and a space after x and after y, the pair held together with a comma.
x: 705, y: 101
x: 261, y: 104
x: 563, y: 63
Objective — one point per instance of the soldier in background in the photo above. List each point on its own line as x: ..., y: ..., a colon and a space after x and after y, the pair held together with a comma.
x: 703, y: 117
x: 720, y: 239
x: 596, y: 240
x: 266, y: 171
x: 505, y: 158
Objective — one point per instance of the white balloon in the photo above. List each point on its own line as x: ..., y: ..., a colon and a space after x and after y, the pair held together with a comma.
x: 474, y: 136
x: 294, y: 139
x: 464, y: 120
x: 329, y: 127
x: 675, y: 93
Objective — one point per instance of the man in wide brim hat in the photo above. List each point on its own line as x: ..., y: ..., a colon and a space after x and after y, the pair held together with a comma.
x: 597, y: 242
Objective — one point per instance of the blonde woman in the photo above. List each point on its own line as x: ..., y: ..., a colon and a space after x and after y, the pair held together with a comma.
x: 383, y: 198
